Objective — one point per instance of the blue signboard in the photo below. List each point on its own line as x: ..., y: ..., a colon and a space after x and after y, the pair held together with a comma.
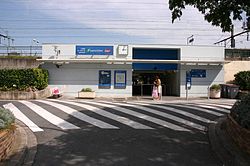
x: 188, y: 80
x: 198, y: 73
x: 120, y: 79
x: 94, y: 50
x: 104, y: 79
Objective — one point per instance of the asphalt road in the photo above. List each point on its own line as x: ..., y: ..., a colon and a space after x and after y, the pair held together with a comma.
x: 122, y: 145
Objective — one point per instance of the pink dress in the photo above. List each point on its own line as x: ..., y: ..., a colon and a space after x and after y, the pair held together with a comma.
x: 155, y: 92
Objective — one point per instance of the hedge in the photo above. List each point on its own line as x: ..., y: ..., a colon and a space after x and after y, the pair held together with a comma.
x: 22, y: 79
x: 243, y: 80
x: 241, y: 111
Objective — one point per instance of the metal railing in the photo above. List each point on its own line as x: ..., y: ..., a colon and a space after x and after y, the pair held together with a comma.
x: 21, y: 51
x: 237, y: 54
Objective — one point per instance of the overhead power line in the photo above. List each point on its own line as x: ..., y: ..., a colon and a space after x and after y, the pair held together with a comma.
x: 232, y: 36
x: 88, y: 2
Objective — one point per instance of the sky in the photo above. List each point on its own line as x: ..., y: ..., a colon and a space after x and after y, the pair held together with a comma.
x: 106, y: 21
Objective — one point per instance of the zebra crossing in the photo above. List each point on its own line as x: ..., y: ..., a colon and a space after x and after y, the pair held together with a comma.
x: 136, y: 115
x: 19, y: 115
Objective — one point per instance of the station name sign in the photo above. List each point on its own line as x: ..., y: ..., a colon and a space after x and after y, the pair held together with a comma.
x: 94, y: 50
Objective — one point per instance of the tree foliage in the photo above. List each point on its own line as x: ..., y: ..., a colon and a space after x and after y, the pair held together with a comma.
x: 243, y: 80
x: 218, y: 12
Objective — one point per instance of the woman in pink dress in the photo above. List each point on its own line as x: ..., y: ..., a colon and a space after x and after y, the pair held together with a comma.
x: 155, y: 95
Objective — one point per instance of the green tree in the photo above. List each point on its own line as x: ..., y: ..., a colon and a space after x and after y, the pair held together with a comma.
x: 218, y: 12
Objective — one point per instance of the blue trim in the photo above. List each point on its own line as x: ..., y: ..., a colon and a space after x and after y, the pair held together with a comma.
x: 156, y: 54
x: 154, y: 66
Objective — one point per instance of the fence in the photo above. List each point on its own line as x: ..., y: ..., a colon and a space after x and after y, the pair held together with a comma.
x: 237, y: 54
x: 21, y: 50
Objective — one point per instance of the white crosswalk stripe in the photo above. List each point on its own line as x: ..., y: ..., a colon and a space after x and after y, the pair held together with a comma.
x: 109, y: 115
x: 199, y: 109
x: 174, y: 116
x: 20, y: 116
x: 144, y: 116
x: 49, y: 116
x: 80, y: 115
x: 227, y: 106
x: 213, y: 107
x: 166, y: 115
x: 179, y: 111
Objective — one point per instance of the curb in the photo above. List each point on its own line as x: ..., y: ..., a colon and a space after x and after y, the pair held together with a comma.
x: 25, y: 148
x: 224, y: 147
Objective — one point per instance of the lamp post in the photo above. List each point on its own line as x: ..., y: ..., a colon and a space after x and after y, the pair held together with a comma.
x: 6, y: 36
x: 190, y: 39
x: 34, y: 41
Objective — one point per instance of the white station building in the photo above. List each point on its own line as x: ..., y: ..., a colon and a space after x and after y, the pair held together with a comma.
x: 119, y: 71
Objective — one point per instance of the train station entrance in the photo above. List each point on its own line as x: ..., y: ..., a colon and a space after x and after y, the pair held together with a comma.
x: 145, y: 73
x: 143, y: 82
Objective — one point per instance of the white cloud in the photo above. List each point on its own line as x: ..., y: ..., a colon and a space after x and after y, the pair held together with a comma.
x: 149, y: 20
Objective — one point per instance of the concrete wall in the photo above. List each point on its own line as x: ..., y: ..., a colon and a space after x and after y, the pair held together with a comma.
x: 198, y: 53
x: 68, y: 51
x: 71, y: 78
x: 22, y: 95
x: 9, y: 63
x: 50, y: 51
x: 214, y: 75
x: 233, y: 68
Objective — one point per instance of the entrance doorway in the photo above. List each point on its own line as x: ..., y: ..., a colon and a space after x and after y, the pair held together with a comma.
x: 143, y: 82
x: 144, y: 73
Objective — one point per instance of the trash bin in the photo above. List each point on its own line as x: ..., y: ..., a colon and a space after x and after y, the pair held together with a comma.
x: 232, y: 91
x: 223, y: 90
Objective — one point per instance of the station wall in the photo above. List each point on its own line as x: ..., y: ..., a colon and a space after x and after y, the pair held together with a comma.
x: 71, y: 78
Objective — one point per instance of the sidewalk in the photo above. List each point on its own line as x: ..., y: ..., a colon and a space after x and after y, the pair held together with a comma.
x: 148, y: 98
x: 25, y: 148
x: 224, y: 147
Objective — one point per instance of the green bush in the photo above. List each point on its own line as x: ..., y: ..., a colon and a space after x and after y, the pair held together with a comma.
x: 243, y: 80
x: 86, y: 90
x: 215, y: 87
x: 241, y: 111
x: 6, y: 118
x: 41, y: 78
x: 22, y: 79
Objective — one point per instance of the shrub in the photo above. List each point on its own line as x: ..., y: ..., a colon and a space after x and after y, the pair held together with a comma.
x: 6, y: 118
x: 22, y: 79
x: 243, y: 80
x: 241, y: 111
x: 41, y: 78
x: 86, y: 90
x: 215, y: 87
